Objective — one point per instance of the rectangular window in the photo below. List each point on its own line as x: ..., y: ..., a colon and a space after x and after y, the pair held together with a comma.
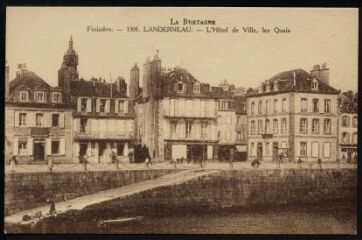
x: 93, y: 149
x: 345, y: 121
x: 260, y: 107
x: 39, y: 96
x: 304, y: 105
x: 316, y: 105
x: 315, y: 126
x: 252, y: 127
x: 252, y: 108
x: 303, y: 149
x: 57, y: 97
x: 275, y: 106
x: 354, y: 138
x: 327, y: 150
x: 55, y: 146
x: 275, y: 126
x: 303, y: 128
x: 55, y: 120
x: 39, y: 119
x: 22, y: 148
x: 83, y: 125
x: 355, y: 121
x: 23, y: 96
x: 284, y: 105
x: 345, y: 137
x: 315, y: 149
x: 260, y: 127
x: 173, y: 129
x: 284, y: 125
x: 204, y: 126
x: 327, y: 105
x: 102, y: 106
x: 267, y: 149
x: 238, y: 135
x: 188, y: 128
x: 22, y: 119
x: 121, y: 106
x: 267, y: 126
x: 120, y: 147
x: 83, y: 104
x: 327, y: 126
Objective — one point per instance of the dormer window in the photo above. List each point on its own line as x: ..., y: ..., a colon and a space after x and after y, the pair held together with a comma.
x: 180, y: 87
x: 196, y: 88
x: 315, y: 85
x: 23, y: 96
x: 56, y: 97
x: 39, y: 96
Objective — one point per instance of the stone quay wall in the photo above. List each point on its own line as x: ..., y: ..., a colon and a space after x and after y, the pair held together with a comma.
x: 242, y: 188
x: 30, y: 190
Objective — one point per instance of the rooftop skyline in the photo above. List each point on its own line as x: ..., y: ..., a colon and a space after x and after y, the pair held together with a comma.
x: 40, y: 38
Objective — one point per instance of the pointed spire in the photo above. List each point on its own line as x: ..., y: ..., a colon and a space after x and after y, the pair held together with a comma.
x: 71, y: 42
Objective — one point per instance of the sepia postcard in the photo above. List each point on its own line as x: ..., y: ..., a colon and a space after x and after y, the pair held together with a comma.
x: 181, y: 120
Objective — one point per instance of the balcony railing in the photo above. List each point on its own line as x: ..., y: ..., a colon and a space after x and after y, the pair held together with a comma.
x: 104, y: 135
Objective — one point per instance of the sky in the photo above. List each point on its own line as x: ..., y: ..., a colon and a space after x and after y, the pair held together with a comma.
x: 38, y: 36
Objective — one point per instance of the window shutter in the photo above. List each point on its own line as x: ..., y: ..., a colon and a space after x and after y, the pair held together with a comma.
x: 77, y: 125
x: 184, y: 87
x: 15, y: 146
x: 175, y: 87
x: 89, y: 125
x: 126, y: 106
x: 108, y: 105
x: 89, y: 152
x: 49, y: 119
x: 48, y: 146
x: 61, y: 120
x: 29, y: 145
x: 16, y: 119
x: 98, y: 105
x: 76, y: 149
x: 62, y: 146
x: 116, y: 105
x: 89, y: 105
x: 79, y: 104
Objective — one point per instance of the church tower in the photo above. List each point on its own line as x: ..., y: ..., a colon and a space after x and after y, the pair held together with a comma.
x: 68, y: 71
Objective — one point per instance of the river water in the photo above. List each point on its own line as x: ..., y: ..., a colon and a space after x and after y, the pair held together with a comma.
x: 337, y: 219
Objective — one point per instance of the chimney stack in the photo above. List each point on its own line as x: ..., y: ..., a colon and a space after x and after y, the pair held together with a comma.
x: 134, y: 82
x: 321, y: 73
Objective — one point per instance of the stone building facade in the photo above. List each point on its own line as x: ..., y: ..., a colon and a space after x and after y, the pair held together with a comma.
x: 177, y: 114
x: 38, y: 122
x: 103, y: 120
x: 348, y: 136
x: 294, y: 114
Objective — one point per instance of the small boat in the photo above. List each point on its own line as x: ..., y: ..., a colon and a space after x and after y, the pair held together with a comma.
x: 118, y: 220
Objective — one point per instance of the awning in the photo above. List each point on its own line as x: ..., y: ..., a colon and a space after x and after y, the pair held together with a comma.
x: 241, y: 148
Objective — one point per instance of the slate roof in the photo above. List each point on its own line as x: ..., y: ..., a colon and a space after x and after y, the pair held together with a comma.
x: 93, y: 88
x: 28, y: 79
x: 286, y: 83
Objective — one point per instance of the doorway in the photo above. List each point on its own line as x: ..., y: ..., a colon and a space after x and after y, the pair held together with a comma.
x: 83, y: 149
x: 39, y: 150
x: 275, y: 151
x: 259, y: 151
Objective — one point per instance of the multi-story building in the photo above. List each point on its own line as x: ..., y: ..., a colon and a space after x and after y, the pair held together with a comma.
x: 102, y: 119
x: 294, y: 112
x: 178, y: 114
x: 347, y: 127
x: 38, y: 121
x: 241, y: 143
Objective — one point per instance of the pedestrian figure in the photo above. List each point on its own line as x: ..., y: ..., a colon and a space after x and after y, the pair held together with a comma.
x: 50, y: 164
x: 13, y: 163
x: 255, y: 163
x: 320, y: 163
x: 84, y: 161
x: 343, y: 157
x: 52, y: 206
x: 338, y: 163
x: 299, y: 161
x: 174, y: 162
x: 147, y: 161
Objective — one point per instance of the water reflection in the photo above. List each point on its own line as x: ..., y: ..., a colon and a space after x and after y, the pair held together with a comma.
x: 337, y: 219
